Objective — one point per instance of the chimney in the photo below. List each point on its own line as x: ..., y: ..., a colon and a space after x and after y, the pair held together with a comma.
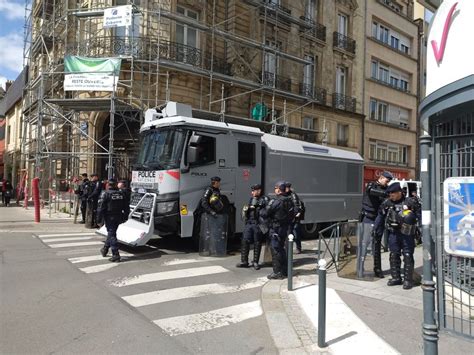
x: 8, y: 84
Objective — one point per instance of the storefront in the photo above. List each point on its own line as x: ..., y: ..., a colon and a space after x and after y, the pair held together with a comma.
x: 373, y: 173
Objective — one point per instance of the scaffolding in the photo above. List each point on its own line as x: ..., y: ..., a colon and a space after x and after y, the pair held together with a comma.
x: 222, y: 57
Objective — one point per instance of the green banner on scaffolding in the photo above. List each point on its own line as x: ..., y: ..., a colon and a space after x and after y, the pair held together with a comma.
x: 91, y: 74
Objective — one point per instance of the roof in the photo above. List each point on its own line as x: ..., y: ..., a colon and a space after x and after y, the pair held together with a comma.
x: 289, y: 145
x: 15, y: 91
x: 201, y: 123
x: 2, y: 108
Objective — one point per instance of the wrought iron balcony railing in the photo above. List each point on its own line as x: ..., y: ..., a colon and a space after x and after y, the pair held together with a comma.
x: 315, y: 93
x: 343, y: 42
x: 316, y: 30
x: 343, y: 102
x: 280, y: 82
x: 270, y: 4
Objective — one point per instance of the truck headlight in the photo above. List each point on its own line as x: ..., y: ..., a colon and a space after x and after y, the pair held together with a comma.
x: 166, y: 207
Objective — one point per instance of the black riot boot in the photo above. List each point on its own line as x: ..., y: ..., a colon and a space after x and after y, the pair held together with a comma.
x: 115, y: 257
x: 408, y: 267
x: 395, y: 264
x: 277, y: 268
x: 378, y: 259
x: 104, y: 251
x: 244, y: 254
x: 257, y: 248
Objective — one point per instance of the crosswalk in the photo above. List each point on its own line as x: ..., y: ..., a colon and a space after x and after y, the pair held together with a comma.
x: 172, y: 289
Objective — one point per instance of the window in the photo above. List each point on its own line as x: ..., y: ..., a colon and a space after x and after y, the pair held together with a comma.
x: 404, y: 48
x: 375, y: 27
x: 271, y: 62
x: 375, y: 68
x: 394, y: 42
x: 310, y: 10
x: 308, y: 123
x: 206, y: 151
x: 393, y: 154
x: 403, y: 85
x: 372, y: 150
x: 341, y: 80
x: 383, y: 74
x: 388, y: 153
x: 394, y: 81
x: 383, y: 34
x: 186, y: 37
x: 342, y: 24
x: 342, y: 134
x: 382, y: 112
x: 246, y: 153
x: 373, y: 109
x: 308, y: 74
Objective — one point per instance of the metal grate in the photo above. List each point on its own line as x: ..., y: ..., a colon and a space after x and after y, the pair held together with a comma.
x: 454, y: 157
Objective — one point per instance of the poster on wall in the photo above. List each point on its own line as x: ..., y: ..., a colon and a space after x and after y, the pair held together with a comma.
x: 459, y: 216
x: 91, y: 74
x: 120, y: 16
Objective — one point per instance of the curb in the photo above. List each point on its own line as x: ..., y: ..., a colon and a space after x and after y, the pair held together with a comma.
x: 291, y: 330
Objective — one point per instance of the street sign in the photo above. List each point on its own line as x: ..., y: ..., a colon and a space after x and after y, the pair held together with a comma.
x: 459, y: 216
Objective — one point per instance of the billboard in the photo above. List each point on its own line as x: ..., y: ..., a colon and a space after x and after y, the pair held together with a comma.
x: 91, y: 74
x: 120, y: 16
x: 459, y: 216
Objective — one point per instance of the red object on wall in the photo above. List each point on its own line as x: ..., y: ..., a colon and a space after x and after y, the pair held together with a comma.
x: 36, y: 199
x: 371, y: 174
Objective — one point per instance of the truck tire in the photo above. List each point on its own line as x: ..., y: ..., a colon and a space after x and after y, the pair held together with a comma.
x: 310, y: 230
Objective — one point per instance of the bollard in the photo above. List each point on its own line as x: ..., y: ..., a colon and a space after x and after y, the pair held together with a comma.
x: 322, y: 304
x: 36, y: 199
x: 291, y: 237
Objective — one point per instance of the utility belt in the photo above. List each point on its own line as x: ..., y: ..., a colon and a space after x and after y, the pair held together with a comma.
x: 369, y: 215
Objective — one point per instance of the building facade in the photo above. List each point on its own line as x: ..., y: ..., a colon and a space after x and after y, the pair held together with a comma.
x: 293, y: 68
x: 391, y: 89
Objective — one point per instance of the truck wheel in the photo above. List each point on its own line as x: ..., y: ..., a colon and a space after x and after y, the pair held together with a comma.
x: 310, y: 230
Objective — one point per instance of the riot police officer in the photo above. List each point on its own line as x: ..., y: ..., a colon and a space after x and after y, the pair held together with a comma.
x: 211, y: 201
x: 397, y: 215
x: 83, y: 192
x: 278, y: 212
x: 113, y: 210
x: 374, y: 195
x: 252, y: 231
x: 298, y: 212
x: 95, y: 190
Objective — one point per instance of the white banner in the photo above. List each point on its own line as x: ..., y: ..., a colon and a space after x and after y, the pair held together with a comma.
x: 119, y: 16
x: 90, y: 82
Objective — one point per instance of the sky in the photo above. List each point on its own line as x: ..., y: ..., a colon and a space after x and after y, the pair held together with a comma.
x: 12, y: 18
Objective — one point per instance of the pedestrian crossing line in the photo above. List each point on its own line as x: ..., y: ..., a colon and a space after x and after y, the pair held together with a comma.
x: 174, y: 294
x: 52, y: 240
x: 168, y: 275
x: 64, y: 235
x: 217, y: 318
x: 98, y: 268
x: 84, y: 259
x: 188, y: 261
x: 78, y: 244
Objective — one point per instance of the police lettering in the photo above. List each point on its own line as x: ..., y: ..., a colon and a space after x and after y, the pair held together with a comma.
x: 147, y: 174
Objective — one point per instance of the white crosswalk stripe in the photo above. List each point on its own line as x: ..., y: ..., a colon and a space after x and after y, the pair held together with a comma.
x: 78, y: 244
x: 65, y: 235
x: 168, y: 275
x: 217, y: 318
x: 68, y: 239
x: 85, y: 259
x: 98, y: 268
x: 174, y: 294
x: 188, y: 261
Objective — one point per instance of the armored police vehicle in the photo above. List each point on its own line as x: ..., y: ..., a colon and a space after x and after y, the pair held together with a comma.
x: 179, y: 154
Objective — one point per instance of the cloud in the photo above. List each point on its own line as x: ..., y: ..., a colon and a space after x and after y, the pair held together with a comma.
x: 12, y: 9
x: 11, y: 52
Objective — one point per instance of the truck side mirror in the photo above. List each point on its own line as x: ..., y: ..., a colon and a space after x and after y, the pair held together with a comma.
x: 192, y: 155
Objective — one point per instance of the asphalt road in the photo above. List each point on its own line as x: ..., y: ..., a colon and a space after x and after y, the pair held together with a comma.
x: 59, y: 296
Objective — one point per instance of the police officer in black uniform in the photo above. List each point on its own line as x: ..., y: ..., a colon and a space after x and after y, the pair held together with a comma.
x: 298, y: 212
x: 211, y: 201
x: 278, y: 212
x: 113, y: 210
x: 374, y: 195
x: 253, y: 233
x: 83, y: 192
x: 95, y: 188
x: 398, y: 215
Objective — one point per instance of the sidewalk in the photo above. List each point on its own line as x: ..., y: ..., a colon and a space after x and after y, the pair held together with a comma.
x: 362, y: 317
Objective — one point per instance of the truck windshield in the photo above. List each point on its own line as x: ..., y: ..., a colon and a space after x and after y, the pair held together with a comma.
x: 161, y: 149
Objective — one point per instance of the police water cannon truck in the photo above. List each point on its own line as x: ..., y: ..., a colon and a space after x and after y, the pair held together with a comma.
x: 179, y: 154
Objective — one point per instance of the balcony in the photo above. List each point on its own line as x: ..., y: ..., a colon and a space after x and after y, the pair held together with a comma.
x: 343, y: 42
x: 389, y: 84
x: 219, y: 65
x: 343, y: 102
x: 316, y: 30
x: 277, y: 81
x: 315, y: 93
x: 275, y: 11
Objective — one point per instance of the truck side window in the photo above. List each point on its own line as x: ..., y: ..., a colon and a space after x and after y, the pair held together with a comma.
x: 206, y: 151
x: 246, y: 153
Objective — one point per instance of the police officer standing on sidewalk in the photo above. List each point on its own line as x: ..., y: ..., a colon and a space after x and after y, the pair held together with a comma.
x: 398, y: 214
x: 95, y: 190
x: 83, y: 192
x: 278, y: 212
x: 113, y: 210
x: 298, y: 212
x: 252, y: 231
x: 374, y: 195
